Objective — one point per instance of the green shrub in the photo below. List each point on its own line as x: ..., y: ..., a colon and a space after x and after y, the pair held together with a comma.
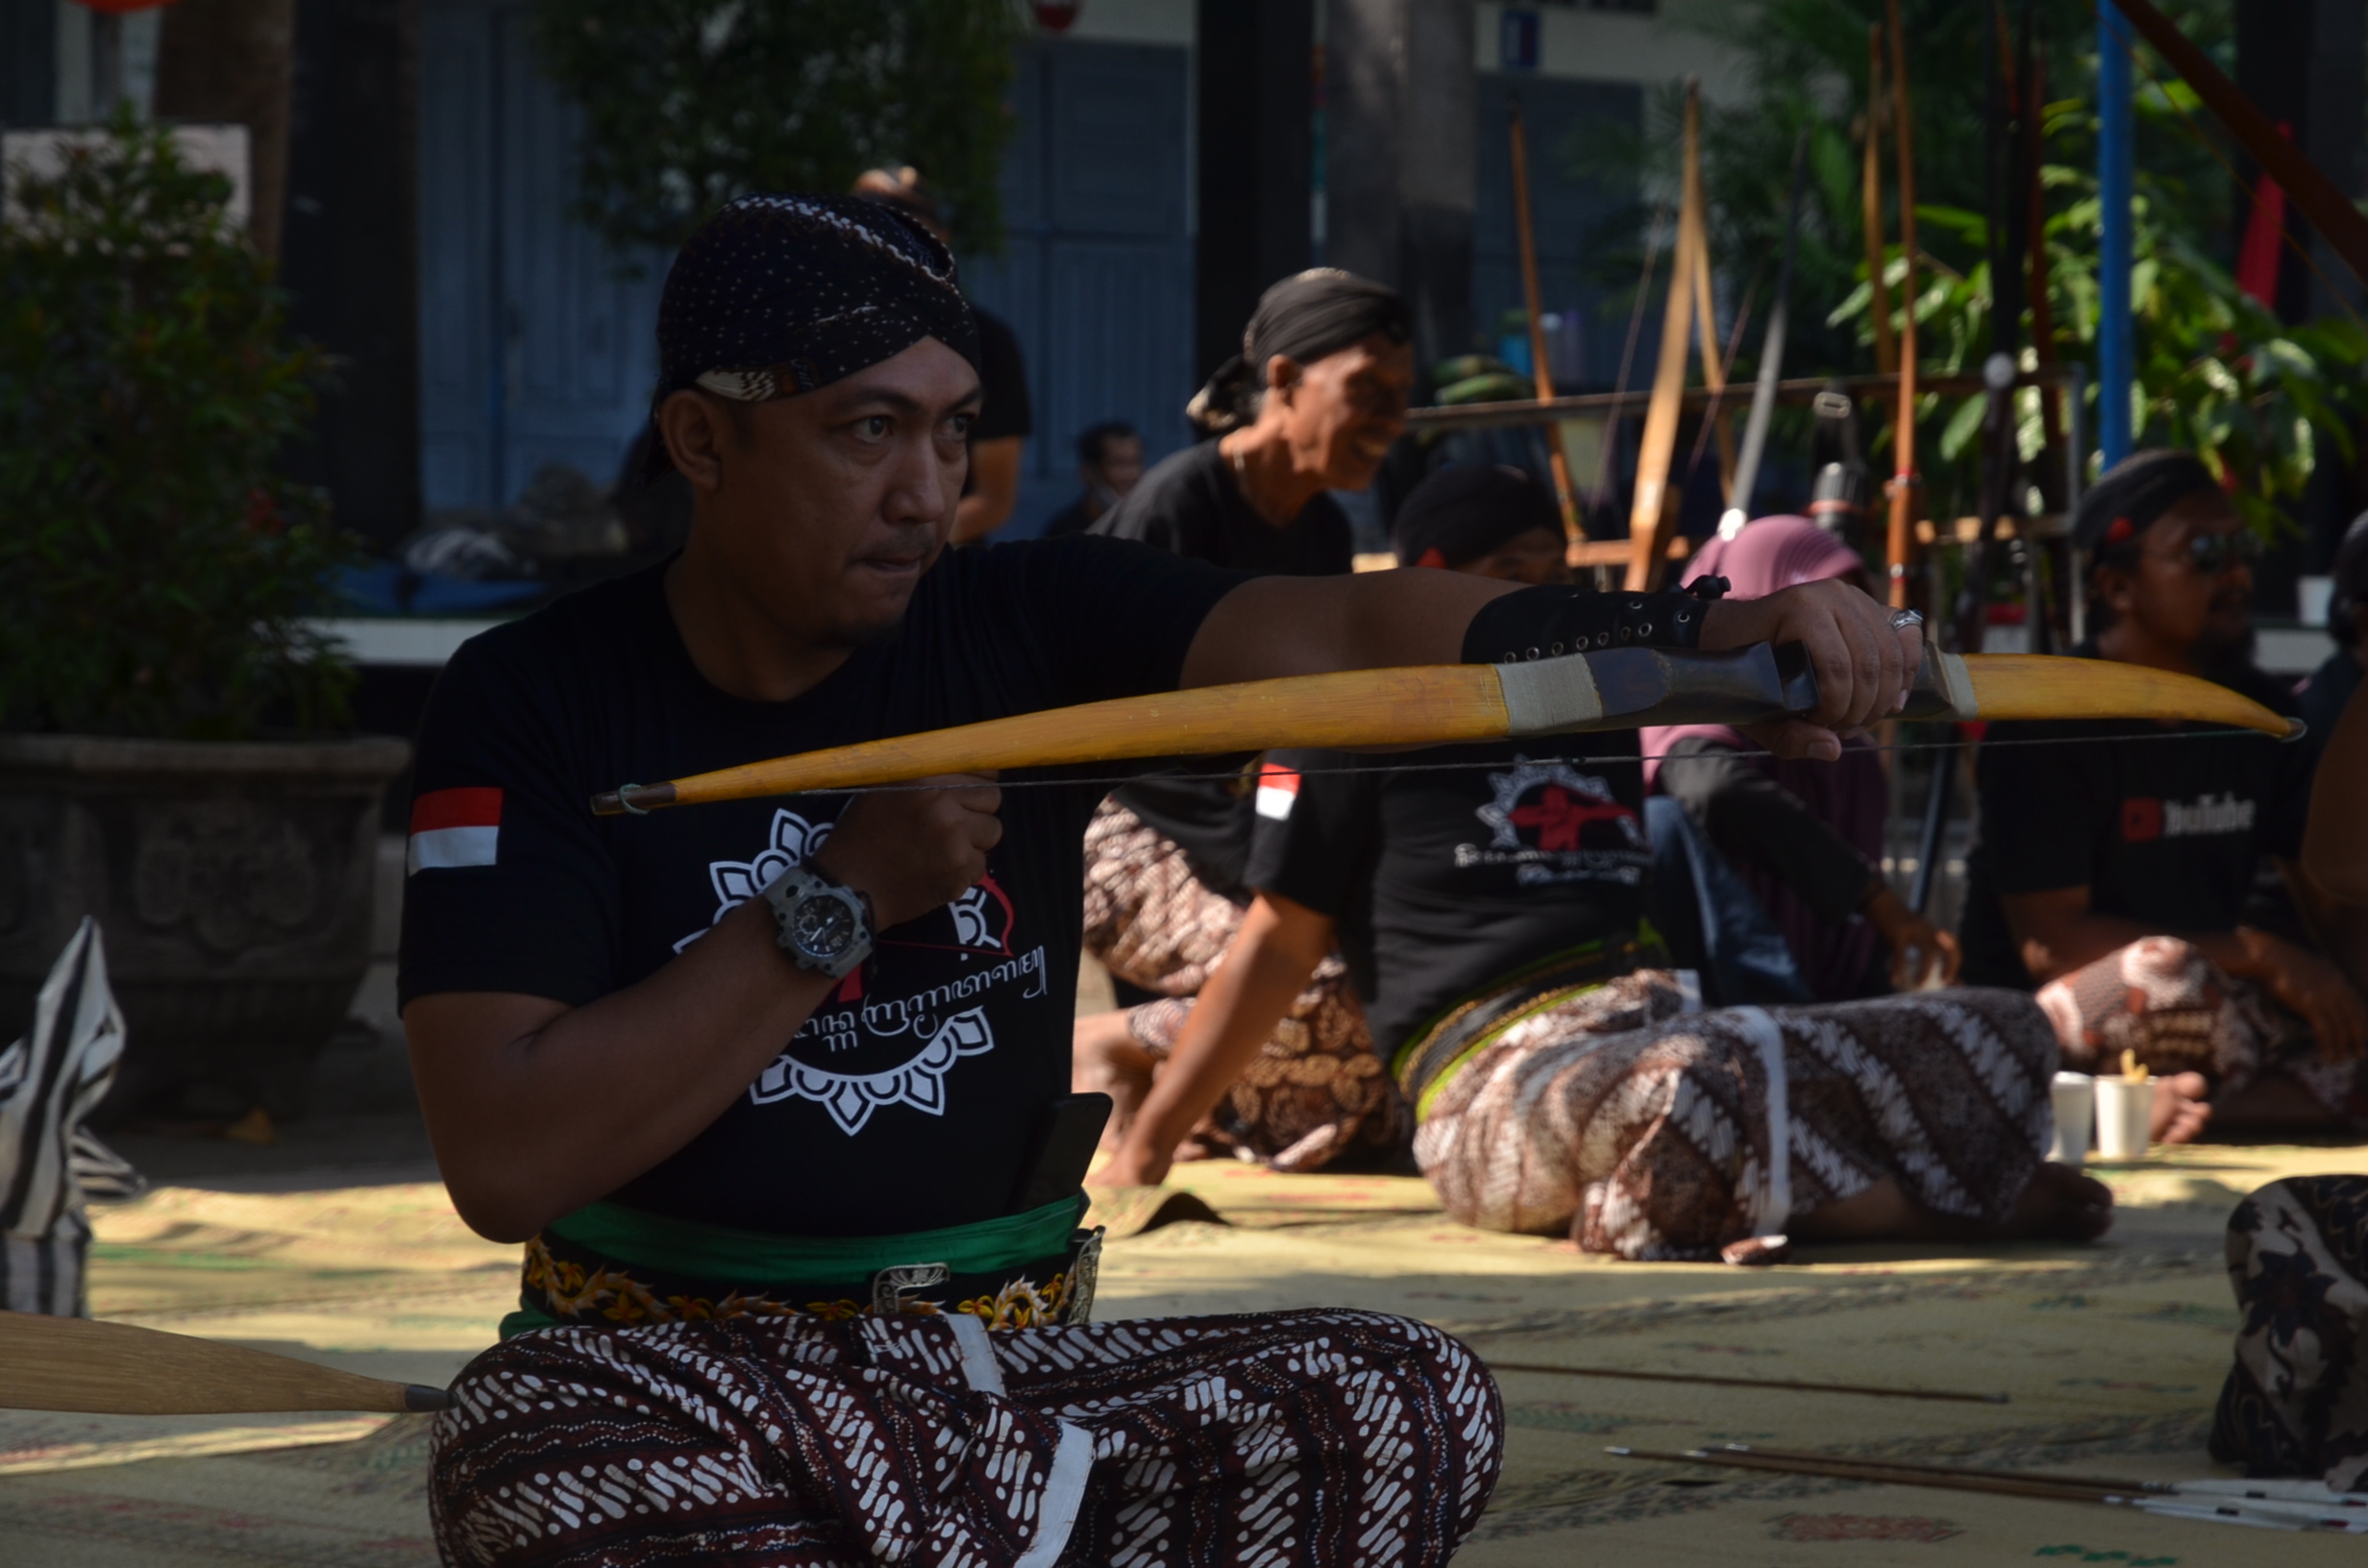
x: 155, y: 563
x: 688, y: 104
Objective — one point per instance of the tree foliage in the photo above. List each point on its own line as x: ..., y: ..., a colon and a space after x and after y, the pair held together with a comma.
x: 2218, y: 371
x: 155, y: 563
x: 688, y: 104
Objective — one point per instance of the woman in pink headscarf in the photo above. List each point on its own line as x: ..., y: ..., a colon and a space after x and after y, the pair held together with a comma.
x: 1806, y: 836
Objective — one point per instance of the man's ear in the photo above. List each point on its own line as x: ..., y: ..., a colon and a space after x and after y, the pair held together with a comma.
x: 697, y: 433
x: 2117, y: 590
x: 1283, y: 375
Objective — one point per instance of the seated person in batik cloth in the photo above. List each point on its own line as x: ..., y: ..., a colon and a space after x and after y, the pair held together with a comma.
x: 1316, y: 1090
x: 755, y: 1081
x: 1490, y: 902
x: 2132, y: 875
x: 1309, y: 406
x: 1803, y: 836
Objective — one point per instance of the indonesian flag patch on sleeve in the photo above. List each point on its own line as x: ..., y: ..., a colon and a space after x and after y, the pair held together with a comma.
x: 1278, y: 791
x: 454, y: 827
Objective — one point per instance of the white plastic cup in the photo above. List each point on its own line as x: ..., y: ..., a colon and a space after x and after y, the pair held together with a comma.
x: 2311, y: 599
x: 2075, y: 1095
x: 2125, y: 1116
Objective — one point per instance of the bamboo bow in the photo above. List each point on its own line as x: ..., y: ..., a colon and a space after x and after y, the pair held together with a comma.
x: 1623, y: 688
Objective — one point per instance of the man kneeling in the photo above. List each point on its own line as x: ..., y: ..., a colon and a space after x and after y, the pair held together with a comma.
x: 756, y: 1082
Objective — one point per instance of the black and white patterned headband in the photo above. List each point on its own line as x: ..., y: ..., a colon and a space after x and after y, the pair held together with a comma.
x: 779, y: 295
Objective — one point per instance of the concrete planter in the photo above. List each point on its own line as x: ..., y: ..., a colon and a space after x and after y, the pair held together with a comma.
x: 232, y: 883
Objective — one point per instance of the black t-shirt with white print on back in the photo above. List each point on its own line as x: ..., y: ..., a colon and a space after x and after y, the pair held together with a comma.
x: 1456, y: 865
x: 2165, y: 825
x: 906, y: 1102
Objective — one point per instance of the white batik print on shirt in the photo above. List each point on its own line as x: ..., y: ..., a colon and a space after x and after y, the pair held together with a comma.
x: 890, y: 1038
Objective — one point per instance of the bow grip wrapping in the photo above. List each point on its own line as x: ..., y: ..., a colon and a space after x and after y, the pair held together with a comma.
x: 1670, y: 686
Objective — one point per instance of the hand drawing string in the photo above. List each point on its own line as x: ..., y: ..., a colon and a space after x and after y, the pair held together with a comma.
x: 1236, y: 774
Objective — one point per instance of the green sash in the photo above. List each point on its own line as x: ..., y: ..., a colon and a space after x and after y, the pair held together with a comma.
x: 754, y: 1258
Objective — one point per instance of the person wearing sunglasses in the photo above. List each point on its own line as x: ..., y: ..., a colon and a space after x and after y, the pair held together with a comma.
x: 2138, y: 876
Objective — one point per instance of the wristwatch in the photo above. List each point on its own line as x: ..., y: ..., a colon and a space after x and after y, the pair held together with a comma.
x: 824, y: 924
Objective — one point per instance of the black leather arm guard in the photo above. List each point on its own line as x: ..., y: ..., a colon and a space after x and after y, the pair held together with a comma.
x: 1547, y: 623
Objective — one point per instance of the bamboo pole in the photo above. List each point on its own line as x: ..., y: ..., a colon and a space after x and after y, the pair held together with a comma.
x: 2033, y: 87
x: 1648, y: 515
x: 1542, y: 370
x: 1870, y: 206
x: 1902, y: 542
x: 1706, y: 326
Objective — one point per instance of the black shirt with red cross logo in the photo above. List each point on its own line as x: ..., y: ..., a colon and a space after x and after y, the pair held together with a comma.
x: 1449, y: 867
x: 2165, y: 825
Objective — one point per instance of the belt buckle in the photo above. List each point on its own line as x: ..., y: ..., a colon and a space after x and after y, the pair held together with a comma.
x: 891, y: 1286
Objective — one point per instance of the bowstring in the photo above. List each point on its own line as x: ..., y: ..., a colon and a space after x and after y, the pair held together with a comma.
x: 1237, y: 774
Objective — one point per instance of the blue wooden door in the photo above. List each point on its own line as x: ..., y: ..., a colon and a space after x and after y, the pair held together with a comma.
x: 537, y: 342
x: 1096, y: 274
x: 535, y: 346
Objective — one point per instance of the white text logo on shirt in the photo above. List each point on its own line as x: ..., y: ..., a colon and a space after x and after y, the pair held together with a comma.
x: 2145, y: 818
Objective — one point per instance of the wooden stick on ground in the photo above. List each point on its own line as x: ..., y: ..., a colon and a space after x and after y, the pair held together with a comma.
x: 2264, y: 1514
x: 2313, y: 1494
x: 1564, y: 492
x: 72, y: 1363
x: 1786, y: 1384
x: 2094, y: 1483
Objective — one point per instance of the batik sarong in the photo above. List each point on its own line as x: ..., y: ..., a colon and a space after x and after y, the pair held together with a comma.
x: 1316, y: 1091
x: 2163, y: 1000
x: 1317, y: 1438
x: 2297, y: 1402
x: 1645, y: 1130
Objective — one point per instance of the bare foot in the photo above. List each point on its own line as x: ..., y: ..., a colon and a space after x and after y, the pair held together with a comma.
x: 1757, y: 1251
x: 2061, y: 1204
x: 2179, y: 1109
x: 1104, y: 1057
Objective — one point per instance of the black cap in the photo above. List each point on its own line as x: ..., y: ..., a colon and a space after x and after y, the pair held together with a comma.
x: 1467, y: 510
x: 779, y: 295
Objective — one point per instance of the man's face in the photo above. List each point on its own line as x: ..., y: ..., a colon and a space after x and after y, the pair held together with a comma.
x: 830, y: 505
x: 1121, y: 464
x: 2198, y: 605
x: 1346, y: 409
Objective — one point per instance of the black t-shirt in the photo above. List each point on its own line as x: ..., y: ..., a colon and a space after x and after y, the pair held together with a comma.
x: 1003, y: 383
x: 2166, y: 832
x: 904, y: 1103
x: 1192, y: 505
x: 1443, y: 879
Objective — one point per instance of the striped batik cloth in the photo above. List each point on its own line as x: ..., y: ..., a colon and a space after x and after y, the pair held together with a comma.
x: 1311, y: 1437
x: 49, y: 1082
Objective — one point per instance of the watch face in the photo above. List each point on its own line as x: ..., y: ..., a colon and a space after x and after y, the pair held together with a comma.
x: 823, y: 926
